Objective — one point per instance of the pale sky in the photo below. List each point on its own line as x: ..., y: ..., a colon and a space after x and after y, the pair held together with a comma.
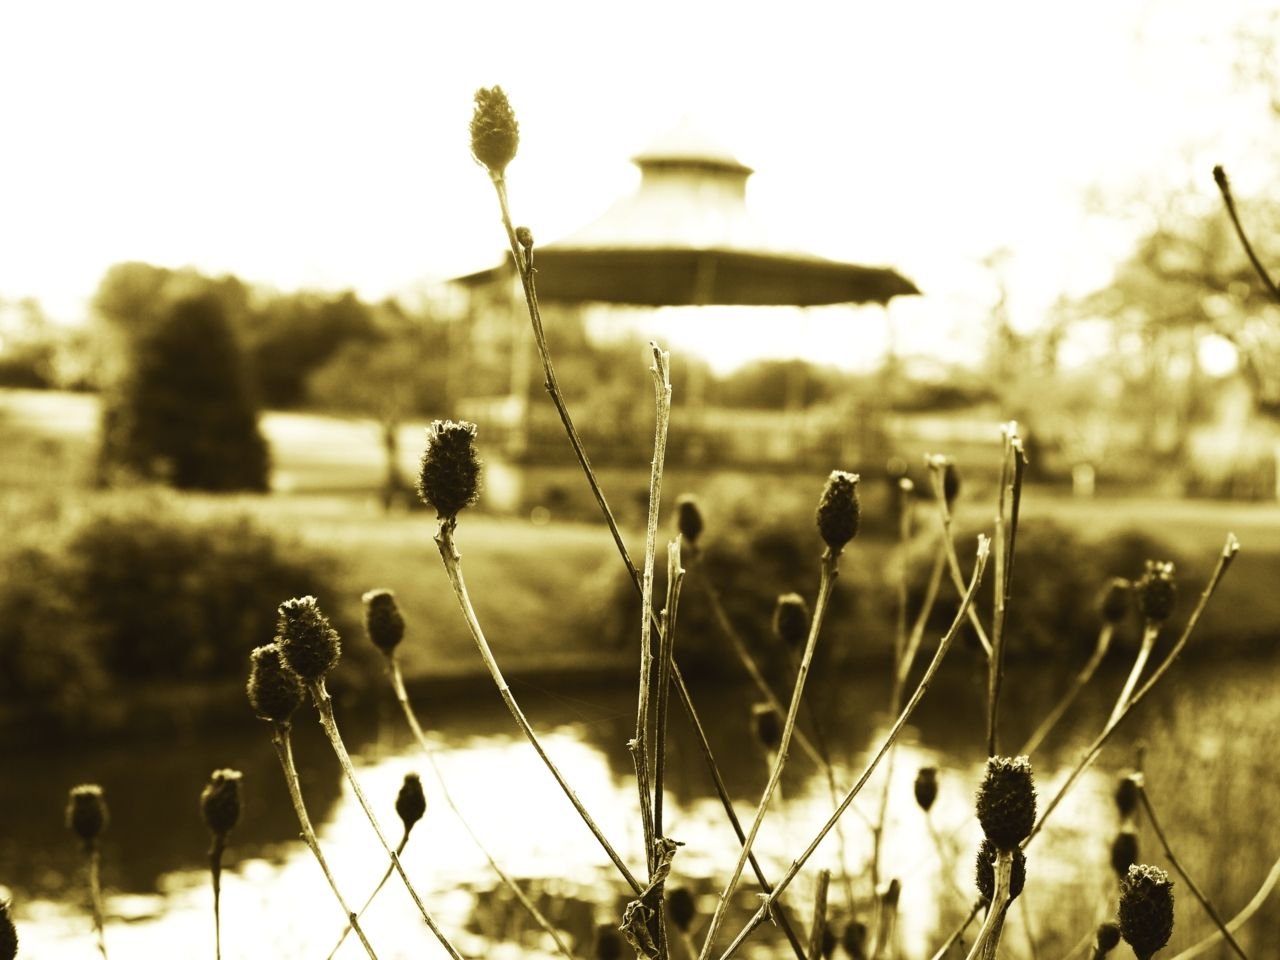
x: 325, y: 145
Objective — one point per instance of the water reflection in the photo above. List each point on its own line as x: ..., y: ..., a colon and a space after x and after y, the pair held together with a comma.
x: 1209, y: 769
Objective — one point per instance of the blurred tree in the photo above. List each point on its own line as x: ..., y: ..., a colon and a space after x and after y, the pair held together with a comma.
x: 183, y: 411
x: 778, y: 385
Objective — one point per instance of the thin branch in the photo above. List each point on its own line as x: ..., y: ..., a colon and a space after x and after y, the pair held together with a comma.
x: 1224, y: 187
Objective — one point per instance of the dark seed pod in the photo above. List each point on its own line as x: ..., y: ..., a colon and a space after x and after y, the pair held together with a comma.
x: 689, y: 519
x: 220, y: 802
x: 274, y: 690
x: 1124, y: 852
x: 890, y: 895
x: 449, y: 478
x: 985, y: 871
x: 382, y: 620
x: 608, y: 943
x: 1156, y: 592
x: 1146, y: 909
x: 854, y: 940
x: 87, y: 813
x: 926, y: 787
x: 839, y: 511
x: 1126, y: 795
x: 681, y: 908
x: 1106, y: 939
x: 1007, y: 801
x: 8, y: 932
x: 307, y: 640
x: 495, y: 135
x: 411, y: 802
x: 767, y: 725
x: 950, y: 484
x: 791, y: 620
x: 828, y: 945
x: 1114, y: 603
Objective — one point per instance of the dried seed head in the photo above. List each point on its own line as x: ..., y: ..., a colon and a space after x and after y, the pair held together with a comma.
x: 689, y: 519
x: 8, y: 932
x: 681, y: 908
x: 608, y: 943
x: 950, y: 484
x: 1146, y: 909
x: 450, y: 476
x: 767, y: 725
x: 1127, y: 794
x: 828, y: 946
x: 891, y: 893
x: 926, y: 787
x: 1007, y: 801
x: 1124, y: 851
x: 1114, y: 602
x: 411, y: 802
x: 220, y: 801
x: 1106, y: 938
x: 524, y: 237
x: 495, y: 135
x: 1156, y: 591
x: 791, y: 620
x: 854, y: 939
x: 985, y: 871
x: 274, y: 690
x: 307, y: 640
x: 839, y: 510
x: 383, y: 620
x: 87, y: 813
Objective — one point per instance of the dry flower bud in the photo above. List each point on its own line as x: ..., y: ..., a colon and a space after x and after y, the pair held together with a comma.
x: 1127, y: 794
x: 274, y: 690
x: 681, y: 908
x: 689, y: 518
x: 495, y: 135
x: 1007, y: 801
x: 926, y: 787
x: 767, y: 725
x: 839, y: 511
x: 985, y: 871
x: 382, y: 620
x: 854, y: 939
x: 307, y: 640
x: 828, y: 945
x: 950, y: 484
x: 411, y: 802
x: 1145, y: 915
x: 87, y: 813
x: 1156, y: 591
x: 791, y: 620
x: 450, y: 476
x: 1106, y: 939
x: 1114, y: 602
x: 1124, y: 852
x: 220, y: 801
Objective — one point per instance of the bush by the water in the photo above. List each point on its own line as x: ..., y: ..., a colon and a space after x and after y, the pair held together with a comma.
x: 144, y: 590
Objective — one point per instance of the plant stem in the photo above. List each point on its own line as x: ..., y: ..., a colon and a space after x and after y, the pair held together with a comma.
x: 453, y: 567
x: 557, y: 398
x: 675, y: 580
x: 819, y: 925
x: 1150, y: 631
x: 944, y: 644
x: 953, y: 559
x: 1240, y: 919
x: 1015, y: 461
x: 1229, y: 551
x: 1224, y: 187
x: 639, y: 746
x: 95, y: 897
x: 402, y: 696
x: 989, y: 936
x: 284, y: 750
x: 376, y: 890
x: 1081, y: 681
x: 1186, y: 878
x: 324, y: 706
x: 215, y: 869
x: 829, y: 570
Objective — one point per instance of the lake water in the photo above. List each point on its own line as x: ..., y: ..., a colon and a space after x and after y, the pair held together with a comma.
x: 1211, y: 770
